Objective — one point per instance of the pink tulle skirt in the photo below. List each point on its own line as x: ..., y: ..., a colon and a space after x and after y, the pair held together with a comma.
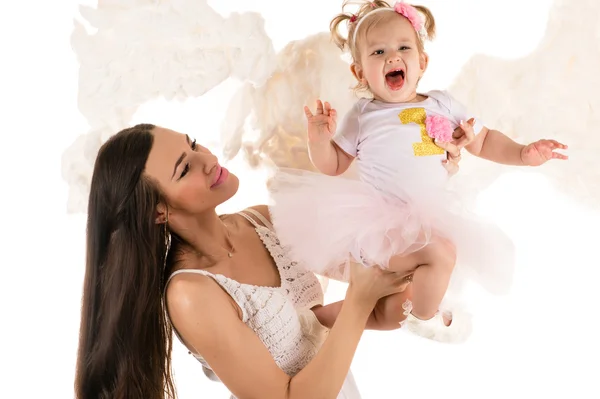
x: 325, y: 221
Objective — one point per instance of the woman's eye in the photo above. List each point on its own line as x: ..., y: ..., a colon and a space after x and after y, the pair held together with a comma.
x: 186, y: 169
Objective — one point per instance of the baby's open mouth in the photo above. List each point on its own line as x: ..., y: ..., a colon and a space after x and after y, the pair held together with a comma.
x: 395, y: 79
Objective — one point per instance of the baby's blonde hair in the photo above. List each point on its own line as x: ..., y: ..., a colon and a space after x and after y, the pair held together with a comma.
x: 364, y: 11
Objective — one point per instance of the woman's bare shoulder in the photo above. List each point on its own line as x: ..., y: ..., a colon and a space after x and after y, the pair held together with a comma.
x: 263, y: 210
x: 188, y: 291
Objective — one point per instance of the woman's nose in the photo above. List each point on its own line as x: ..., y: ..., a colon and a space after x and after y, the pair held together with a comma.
x: 209, y: 161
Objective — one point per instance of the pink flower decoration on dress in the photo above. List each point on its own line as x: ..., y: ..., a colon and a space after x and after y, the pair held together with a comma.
x: 439, y: 128
x: 410, y: 13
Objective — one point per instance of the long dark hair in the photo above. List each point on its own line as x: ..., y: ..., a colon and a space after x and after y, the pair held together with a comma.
x: 125, y: 337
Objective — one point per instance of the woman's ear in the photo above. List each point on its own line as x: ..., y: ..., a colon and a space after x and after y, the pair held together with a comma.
x: 161, y: 214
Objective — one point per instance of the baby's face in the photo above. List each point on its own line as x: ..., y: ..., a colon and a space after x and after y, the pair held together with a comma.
x: 390, y: 60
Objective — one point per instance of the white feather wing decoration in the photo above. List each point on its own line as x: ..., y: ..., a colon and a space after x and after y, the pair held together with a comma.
x: 268, y: 122
x: 145, y: 49
x: 551, y: 93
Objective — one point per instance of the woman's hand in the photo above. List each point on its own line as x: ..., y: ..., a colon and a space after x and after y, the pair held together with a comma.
x: 370, y: 283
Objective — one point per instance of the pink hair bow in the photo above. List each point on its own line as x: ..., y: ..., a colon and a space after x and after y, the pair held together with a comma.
x: 410, y: 13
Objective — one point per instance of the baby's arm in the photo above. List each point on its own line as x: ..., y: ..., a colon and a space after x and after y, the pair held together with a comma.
x: 487, y: 144
x: 496, y: 147
x: 325, y: 153
x: 329, y: 158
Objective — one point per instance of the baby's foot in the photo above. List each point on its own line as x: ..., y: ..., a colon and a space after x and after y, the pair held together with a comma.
x: 446, y: 327
x: 447, y: 319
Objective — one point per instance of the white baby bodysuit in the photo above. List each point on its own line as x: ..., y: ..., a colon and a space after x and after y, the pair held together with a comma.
x: 390, y: 142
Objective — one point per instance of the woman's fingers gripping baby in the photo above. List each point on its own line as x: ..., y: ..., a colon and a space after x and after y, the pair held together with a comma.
x: 372, y: 282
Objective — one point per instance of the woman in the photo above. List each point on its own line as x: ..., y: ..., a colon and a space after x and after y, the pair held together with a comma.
x: 233, y: 297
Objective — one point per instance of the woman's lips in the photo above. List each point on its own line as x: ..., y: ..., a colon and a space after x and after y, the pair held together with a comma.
x: 220, y: 176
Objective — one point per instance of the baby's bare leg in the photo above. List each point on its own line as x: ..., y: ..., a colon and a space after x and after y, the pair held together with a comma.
x: 432, y: 268
x: 389, y: 311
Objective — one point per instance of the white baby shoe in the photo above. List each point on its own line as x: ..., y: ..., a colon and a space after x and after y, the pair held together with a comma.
x: 457, y: 332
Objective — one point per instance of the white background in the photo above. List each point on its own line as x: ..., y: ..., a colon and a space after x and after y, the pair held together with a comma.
x: 540, y: 341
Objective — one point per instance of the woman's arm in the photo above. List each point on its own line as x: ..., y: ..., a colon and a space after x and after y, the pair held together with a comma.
x: 328, y: 314
x: 211, y: 324
x: 386, y: 316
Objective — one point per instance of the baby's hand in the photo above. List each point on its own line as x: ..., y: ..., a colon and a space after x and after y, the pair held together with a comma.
x: 538, y: 153
x: 451, y: 164
x: 321, y: 125
x: 463, y: 135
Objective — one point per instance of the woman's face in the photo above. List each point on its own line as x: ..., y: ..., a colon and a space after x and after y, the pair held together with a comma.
x: 188, y: 174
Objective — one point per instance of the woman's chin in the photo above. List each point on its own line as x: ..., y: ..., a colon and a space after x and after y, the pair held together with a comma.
x: 229, y: 187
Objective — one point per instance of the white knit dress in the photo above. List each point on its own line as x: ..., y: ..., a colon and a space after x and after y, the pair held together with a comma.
x: 280, y: 316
